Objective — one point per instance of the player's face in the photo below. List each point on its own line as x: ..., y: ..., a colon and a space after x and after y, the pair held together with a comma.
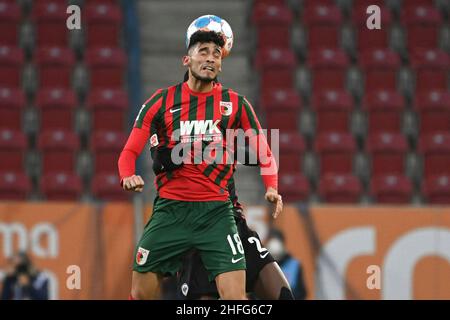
x: 205, y: 61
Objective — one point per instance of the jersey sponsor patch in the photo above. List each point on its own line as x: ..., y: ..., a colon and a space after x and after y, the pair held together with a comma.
x: 141, y: 256
x: 154, y: 140
x: 226, y: 108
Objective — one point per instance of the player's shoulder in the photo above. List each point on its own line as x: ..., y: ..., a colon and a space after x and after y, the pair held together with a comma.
x: 231, y: 91
x: 154, y: 97
x: 159, y: 94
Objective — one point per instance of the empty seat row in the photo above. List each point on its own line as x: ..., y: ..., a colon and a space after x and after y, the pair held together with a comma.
x: 385, y: 189
x: 274, y: 21
x: 102, y: 21
x: 61, y: 186
x: 54, y: 66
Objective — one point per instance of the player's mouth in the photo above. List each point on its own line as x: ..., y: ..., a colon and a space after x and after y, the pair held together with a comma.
x: 208, y: 68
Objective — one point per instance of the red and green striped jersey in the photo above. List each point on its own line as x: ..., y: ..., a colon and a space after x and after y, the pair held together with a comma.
x: 178, y: 114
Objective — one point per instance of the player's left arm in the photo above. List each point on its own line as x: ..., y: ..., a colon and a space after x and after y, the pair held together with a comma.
x: 258, y: 143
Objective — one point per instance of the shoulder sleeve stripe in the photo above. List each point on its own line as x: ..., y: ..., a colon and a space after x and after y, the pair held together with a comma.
x: 248, y: 110
x: 146, y: 107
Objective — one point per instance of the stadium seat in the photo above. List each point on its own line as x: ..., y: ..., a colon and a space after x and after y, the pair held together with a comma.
x: 268, y: 2
x: 273, y: 24
x: 280, y: 98
x: 11, y: 63
x: 61, y: 186
x: 58, y: 149
x: 384, y: 110
x: 310, y: 3
x: 10, y: 16
x: 368, y: 39
x: 431, y: 67
x: 340, y: 188
x: 436, y: 189
x: 333, y: 109
x: 50, y: 17
x: 335, y: 150
x: 12, y: 103
x: 103, y: 24
x: 391, y: 189
x: 323, y: 24
x: 292, y: 147
x: 108, y: 109
x: 282, y: 107
x: 56, y: 106
x: 106, y: 186
x: 328, y: 68
x: 14, y: 185
x: 433, y: 108
x: 13, y: 145
x: 387, y: 151
x: 380, y: 68
x: 366, y: 3
x: 294, y: 187
x: 54, y: 65
x: 422, y: 26
x: 276, y: 68
x: 415, y: 3
x: 106, y: 147
x: 110, y: 2
x: 106, y: 67
x: 435, y: 149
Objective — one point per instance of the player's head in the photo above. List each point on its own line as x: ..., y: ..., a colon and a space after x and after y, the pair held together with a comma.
x: 204, y: 55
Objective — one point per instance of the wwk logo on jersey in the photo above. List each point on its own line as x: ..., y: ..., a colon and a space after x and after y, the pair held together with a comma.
x: 141, y: 256
x: 200, y: 130
x: 199, y: 127
x: 226, y: 108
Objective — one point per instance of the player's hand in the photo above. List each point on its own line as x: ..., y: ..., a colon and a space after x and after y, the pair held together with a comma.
x: 273, y: 197
x: 133, y: 183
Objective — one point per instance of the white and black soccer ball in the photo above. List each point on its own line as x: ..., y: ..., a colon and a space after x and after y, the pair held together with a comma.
x: 212, y: 23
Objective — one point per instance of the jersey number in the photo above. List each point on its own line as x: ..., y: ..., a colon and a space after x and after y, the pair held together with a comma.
x: 238, y: 243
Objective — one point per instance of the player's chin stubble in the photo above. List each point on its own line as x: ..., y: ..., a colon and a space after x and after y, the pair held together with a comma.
x: 200, y: 78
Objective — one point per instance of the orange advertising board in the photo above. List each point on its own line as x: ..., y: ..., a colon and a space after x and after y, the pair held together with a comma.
x: 343, y: 249
x: 58, y: 235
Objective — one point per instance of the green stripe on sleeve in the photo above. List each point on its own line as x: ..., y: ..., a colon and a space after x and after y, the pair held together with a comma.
x: 145, y: 108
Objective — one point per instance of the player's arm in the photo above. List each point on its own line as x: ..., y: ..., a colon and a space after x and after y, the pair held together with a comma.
x: 258, y: 143
x: 144, y: 126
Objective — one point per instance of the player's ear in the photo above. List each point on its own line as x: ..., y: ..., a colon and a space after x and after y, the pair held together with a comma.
x: 186, y: 60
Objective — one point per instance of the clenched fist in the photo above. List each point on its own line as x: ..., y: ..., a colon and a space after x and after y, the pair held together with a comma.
x: 133, y: 183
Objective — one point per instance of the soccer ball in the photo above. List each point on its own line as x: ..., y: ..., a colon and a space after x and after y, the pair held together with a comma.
x: 212, y: 23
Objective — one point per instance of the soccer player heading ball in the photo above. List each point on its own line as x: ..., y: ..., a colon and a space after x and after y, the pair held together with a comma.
x: 192, y: 209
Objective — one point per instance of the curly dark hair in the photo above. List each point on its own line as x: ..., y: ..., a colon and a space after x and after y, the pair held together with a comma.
x: 206, y: 36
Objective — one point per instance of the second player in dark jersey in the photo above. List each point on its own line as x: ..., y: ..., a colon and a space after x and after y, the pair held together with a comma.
x: 264, y: 278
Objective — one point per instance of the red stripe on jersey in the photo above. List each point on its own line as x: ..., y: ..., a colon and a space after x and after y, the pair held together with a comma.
x: 150, y: 115
x: 245, y: 122
x: 234, y: 98
x: 216, y: 116
x: 168, y: 116
x: 201, y: 108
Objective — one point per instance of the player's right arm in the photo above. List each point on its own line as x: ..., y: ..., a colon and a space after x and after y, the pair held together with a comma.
x: 145, y: 125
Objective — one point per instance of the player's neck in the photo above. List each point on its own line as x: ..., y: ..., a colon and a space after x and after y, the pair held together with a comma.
x: 199, y: 86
